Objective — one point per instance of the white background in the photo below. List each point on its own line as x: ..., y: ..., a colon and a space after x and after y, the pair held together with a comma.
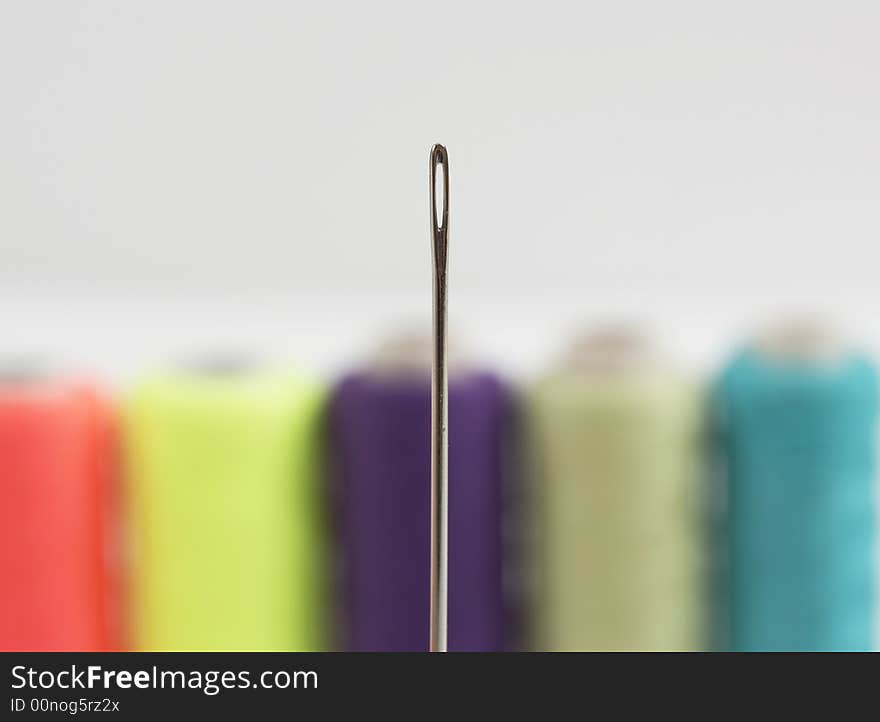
x: 177, y: 176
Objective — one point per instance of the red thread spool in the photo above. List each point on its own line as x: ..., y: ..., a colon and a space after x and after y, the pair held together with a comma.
x: 58, y: 510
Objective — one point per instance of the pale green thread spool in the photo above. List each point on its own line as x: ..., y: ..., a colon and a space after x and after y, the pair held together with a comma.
x: 614, y: 439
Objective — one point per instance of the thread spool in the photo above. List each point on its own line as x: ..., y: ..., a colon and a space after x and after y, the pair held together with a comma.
x: 227, y: 516
x: 58, y: 529
x: 380, y: 438
x: 796, y: 414
x: 613, y: 436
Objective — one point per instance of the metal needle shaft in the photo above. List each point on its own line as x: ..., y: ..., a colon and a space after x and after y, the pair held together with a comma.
x: 439, y: 406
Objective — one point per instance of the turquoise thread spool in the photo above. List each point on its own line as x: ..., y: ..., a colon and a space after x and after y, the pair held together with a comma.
x: 797, y: 421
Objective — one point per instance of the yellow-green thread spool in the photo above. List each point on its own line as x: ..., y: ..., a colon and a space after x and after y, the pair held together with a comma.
x: 227, y: 518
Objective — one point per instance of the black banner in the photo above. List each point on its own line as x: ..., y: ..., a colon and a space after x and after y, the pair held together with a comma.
x: 134, y: 685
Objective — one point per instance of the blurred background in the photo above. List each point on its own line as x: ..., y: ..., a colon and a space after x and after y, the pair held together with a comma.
x: 182, y: 175
x: 188, y: 178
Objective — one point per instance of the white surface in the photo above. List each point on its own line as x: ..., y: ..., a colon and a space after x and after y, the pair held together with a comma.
x: 182, y: 175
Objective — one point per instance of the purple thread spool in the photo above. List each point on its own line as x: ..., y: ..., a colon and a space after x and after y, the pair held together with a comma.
x: 380, y: 455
